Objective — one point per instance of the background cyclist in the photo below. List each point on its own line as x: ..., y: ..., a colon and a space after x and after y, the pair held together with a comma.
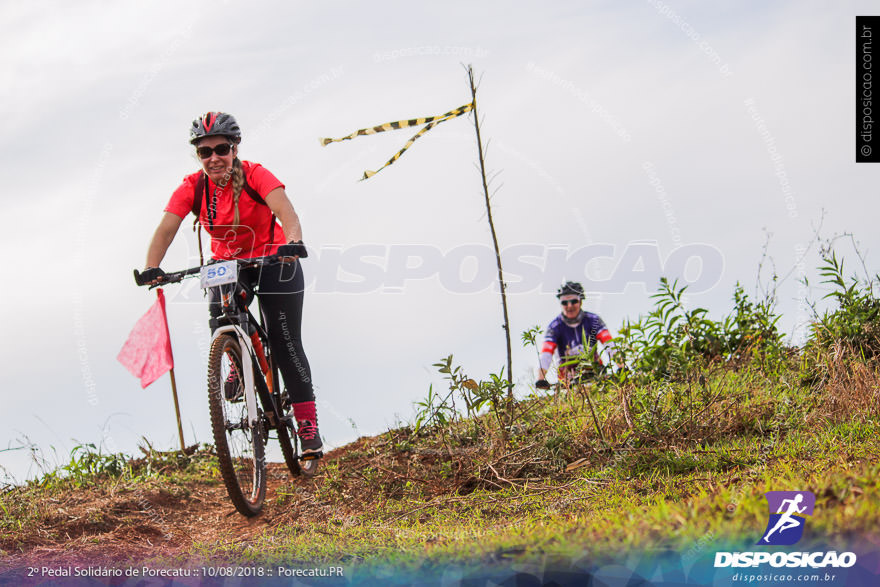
x: 566, y: 333
x: 237, y: 202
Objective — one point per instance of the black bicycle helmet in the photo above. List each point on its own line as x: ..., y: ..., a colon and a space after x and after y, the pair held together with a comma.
x: 571, y: 288
x: 215, y: 124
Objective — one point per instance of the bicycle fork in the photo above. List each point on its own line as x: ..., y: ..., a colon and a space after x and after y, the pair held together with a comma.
x: 250, y: 394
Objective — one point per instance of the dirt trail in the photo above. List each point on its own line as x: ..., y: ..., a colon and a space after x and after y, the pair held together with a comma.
x: 122, y: 527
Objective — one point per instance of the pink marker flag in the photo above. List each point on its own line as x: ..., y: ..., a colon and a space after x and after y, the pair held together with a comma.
x: 147, y: 352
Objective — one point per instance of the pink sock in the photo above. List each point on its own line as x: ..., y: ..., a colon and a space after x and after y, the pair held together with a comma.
x: 305, y: 411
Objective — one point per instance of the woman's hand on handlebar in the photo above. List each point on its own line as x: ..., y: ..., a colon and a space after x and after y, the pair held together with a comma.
x: 151, y: 276
x: 293, y: 249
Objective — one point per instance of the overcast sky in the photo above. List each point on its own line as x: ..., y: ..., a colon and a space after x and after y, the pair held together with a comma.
x: 631, y: 140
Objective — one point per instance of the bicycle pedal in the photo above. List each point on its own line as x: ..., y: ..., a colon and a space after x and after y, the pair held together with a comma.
x: 311, y: 456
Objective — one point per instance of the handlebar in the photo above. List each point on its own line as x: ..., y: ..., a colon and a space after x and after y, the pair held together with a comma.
x: 178, y: 276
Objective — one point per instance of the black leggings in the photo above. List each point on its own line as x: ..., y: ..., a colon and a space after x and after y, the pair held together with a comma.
x: 281, y: 291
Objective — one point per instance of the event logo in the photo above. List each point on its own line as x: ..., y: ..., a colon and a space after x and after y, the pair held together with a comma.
x: 787, y: 516
x: 784, y: 528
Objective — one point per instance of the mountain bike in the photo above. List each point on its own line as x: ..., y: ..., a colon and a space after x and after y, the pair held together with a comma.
x: 245, y: 398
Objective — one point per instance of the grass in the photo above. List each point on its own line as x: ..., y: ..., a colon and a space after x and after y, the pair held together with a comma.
x: 583, y: 474
x: 586, y: 515
x: 557, y: 491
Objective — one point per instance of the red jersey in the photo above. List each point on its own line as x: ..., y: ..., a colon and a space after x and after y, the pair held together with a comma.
x: 251, y: 238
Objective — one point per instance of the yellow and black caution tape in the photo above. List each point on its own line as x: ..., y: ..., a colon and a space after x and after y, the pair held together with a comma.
x: 429, y: 122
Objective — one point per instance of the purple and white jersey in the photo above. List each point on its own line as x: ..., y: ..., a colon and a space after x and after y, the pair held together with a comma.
x: 569, y: 340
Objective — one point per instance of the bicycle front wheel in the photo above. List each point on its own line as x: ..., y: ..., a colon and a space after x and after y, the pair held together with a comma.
x: 240, y: 446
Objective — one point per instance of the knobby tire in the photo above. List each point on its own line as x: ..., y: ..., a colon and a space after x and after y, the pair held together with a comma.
x: 296, y: 466
x: 288, y: 450
x: 240, y: 448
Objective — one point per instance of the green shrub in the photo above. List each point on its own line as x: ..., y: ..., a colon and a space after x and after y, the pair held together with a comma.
x: 439, y: 411
x: 672, y: 340
x: 844, y: 342
x: 856, y: 321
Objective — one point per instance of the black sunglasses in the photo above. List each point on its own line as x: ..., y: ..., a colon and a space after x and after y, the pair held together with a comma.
x: 222, y: 150
x: 569, y: 302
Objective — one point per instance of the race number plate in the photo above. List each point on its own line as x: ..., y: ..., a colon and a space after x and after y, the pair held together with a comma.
x: 218, y: 274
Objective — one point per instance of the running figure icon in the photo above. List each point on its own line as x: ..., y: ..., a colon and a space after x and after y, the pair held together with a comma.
x: 786, y: 519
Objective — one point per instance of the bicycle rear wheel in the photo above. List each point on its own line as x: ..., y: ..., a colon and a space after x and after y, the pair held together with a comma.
x: 295, y: 464
x: 288, y: 439
x: 288, y: 450
x: 286, y: 433
x: 240, y: 447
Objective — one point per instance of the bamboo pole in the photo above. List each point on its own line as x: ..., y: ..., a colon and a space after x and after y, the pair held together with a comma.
x: 506, y: 325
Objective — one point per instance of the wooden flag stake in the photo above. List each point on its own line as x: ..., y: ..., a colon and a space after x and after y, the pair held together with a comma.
x: 177, y: 411
x: 173, y: 381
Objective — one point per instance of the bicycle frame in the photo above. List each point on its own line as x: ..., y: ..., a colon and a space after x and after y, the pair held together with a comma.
x: 237, y: 319
x: 237, y: 336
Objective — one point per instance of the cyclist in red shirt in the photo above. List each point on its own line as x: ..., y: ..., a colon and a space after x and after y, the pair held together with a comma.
x: 237, y: 202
